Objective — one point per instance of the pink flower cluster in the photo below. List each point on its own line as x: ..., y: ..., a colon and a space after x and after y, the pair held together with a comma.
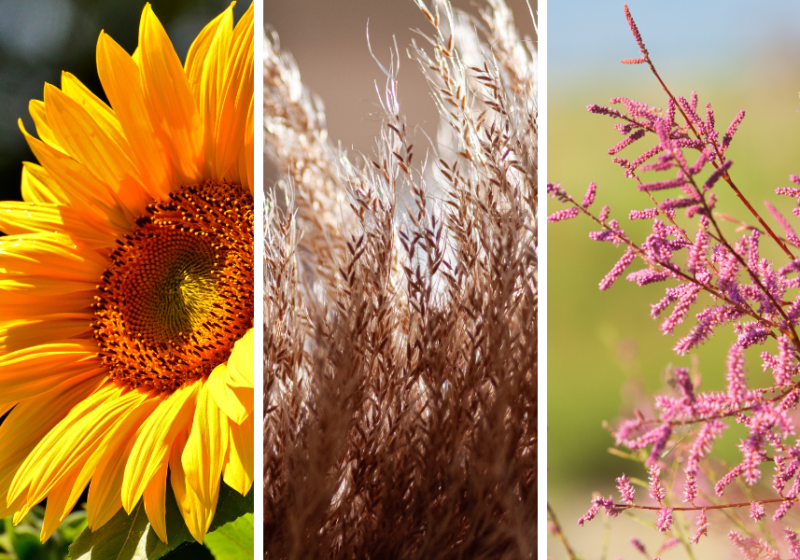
x: 754, y: 294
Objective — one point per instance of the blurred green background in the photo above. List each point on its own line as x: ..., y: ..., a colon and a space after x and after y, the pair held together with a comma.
x: 40, y: 38
x: 605, y: 355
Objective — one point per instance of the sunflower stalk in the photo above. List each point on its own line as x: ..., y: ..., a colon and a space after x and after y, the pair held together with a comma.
x: 400, y: 343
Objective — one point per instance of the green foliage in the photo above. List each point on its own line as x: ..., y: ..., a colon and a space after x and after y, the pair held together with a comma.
x: 126, y: 537
x: 22, y: 542
x: 130, y: 536
x: 233, y: 540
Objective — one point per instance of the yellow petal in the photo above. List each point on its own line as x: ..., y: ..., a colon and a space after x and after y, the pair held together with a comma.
x: 22, y: 333
x: 239, y: 468
x: 246, y: 159
x: 200, y: 48
x: 235, y: 100
x: 152, y: 447
x: 71, y: 443
x: 59, y: 504
x: 7, y: 509
x: 155, y: 502
x: 24, y: 217
x: 205, y: 70
x: 206, y: 447
x: 122, y: 84
x: 20, y: 286
x: 50, y: 255
x: 30, y: 420
x: 32, y: 371
x: 86, y: 141
x: 84, y: 189
x: 229, y: 400
x: 105, y: 490
x: 196, y: 514
x: 240, y: 364
x: 39, y: 115
x: 170, y: 102
x: 232, y: 387
x: 99, y: 111
x: 38, y: 186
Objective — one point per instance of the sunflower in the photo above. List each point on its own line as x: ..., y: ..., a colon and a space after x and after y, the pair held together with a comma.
x: 126, y: 286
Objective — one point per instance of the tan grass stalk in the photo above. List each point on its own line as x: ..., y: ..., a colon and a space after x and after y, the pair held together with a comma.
x: 401, y: 347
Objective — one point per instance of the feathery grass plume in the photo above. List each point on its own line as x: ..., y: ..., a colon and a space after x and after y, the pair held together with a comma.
x: 401, y: 347
x: 750, y: 274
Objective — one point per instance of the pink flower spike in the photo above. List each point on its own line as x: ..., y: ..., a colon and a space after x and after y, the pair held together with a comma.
x: 723, y: 482
x: 790, y: 401
x: 702, y: 527
x: 618, y: 269
x: 564, y: 214
x: 788, y: 191
x: 626, y: 142
x: 752, y: 548
x: 669, y: 543
x: 626, y: 489
x: 783, y: 509
x: 647, y: 214
x: 737, y: 382
x: 604, y: 235
x: 589, y: 515
x: 638, y: 545
x: 757, y: 511
x: 588, y: 199
x: 690, y: 488
x: 555, y: 190
x: 794, y: 543
x: 657, y: 491
x: 635, y: 31
x: 691, y: 111
x: 726, y: 140
x: 784, y: 365
x: 710, y: 122
x: 684, y: 383
x: 787, y: 228
x: 718, y: 173
x: 600, y: 110
x: 646, y: 276
x: 664, y: 521
x: 662, y: 185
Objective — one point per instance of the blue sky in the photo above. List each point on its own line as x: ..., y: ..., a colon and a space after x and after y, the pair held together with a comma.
x: 591, y: 36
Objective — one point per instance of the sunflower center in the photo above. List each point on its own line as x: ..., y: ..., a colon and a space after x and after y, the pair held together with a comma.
x: 179, y: 290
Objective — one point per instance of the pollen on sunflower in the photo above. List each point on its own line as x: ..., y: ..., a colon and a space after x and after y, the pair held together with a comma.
x: 126, y: 318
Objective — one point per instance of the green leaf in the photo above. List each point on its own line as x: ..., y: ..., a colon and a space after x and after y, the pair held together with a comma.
x: 24, y: 540
x: 233, y: 540
x: 26, y: 545
x: 129, y: 537
x: 73, y: 525
x: 231, y: 506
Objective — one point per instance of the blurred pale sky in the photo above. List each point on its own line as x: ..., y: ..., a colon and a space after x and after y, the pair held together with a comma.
x: 329, y: 42
x: 587, y: 37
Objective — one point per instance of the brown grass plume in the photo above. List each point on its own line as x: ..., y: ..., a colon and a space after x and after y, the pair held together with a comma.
x: 400, y: 339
